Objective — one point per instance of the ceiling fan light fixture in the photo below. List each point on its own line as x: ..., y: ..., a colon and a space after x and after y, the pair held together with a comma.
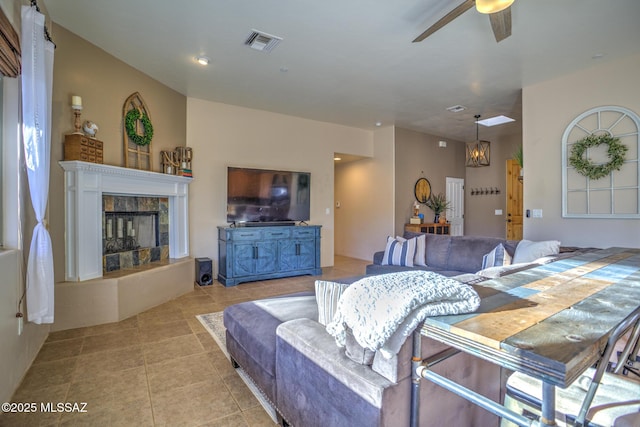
x: 492, y: 6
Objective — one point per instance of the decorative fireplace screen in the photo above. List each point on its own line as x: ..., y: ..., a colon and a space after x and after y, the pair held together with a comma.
x: 135, y: 231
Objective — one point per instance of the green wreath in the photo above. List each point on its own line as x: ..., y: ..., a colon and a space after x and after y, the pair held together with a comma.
x: 130, y: 125
x: 585, y: 167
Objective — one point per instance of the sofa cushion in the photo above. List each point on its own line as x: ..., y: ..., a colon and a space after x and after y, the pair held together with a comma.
x: 503, y: 270
x: 310, y: 339
x: 399, y: 252
x: 373, y: 269
x: 438, y: 251
x: 327, y: 296
x: 356, y: 352
x: 497, y: 257
x: 251, y: 333
x: 528, y: 251
x: 466, y: 252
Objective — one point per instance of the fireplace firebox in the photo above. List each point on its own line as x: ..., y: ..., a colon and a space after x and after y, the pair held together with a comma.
x: 135, y: 231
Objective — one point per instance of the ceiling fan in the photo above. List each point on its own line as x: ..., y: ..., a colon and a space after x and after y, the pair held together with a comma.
x: 499, y: 12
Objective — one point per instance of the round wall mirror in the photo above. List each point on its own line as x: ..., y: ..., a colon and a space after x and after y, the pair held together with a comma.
x: 422, y: 190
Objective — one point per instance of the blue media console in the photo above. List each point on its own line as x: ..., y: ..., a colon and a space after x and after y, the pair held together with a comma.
x: 247, y: 254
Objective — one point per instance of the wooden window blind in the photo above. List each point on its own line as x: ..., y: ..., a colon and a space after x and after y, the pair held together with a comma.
x: 9, y: 48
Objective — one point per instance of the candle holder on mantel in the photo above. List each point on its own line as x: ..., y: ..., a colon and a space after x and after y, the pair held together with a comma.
x: 76, y: 105
x: 169, y: 162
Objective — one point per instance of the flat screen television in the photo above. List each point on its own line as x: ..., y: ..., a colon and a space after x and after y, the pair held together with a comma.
x: 267, y: 196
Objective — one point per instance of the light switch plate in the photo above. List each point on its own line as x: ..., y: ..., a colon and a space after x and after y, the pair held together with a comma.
x: 498, y: 211
x: 537, y: 213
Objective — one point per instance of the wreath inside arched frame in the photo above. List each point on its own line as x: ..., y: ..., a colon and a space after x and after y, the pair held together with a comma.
x: 584, y: 166
x: 130, y: 125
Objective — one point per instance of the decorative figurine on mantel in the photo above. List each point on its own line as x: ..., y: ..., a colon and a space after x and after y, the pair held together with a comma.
x: 90, y: 128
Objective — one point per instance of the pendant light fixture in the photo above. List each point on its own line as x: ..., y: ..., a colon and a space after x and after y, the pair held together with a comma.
x: 478, y: 151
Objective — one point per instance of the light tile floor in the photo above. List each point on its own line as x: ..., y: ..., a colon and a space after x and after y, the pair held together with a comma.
x: 158, y: 368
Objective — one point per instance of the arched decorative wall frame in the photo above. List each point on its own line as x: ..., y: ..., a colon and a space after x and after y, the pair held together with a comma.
x: 616, y: 195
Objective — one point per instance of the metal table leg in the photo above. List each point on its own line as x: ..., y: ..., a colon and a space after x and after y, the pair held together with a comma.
x: 548, y: 417
x: 416, y: 362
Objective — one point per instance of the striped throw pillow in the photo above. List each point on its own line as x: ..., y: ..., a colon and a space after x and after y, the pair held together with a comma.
x: 497, y: 257
x: 327, y: 296
x: 421, y: 251
x: 399, y: 252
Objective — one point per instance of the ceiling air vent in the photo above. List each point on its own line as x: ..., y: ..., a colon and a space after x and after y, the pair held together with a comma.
x: 262, y: 41
x: 456, y: 108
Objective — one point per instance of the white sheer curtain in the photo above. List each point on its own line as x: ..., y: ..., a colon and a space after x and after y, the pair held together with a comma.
x: 37, y: 80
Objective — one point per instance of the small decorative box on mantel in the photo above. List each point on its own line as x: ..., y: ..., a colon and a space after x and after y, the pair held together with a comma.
x: 80, y: 147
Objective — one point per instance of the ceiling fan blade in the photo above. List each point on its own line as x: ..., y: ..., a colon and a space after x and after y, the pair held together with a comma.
x: 462, y: 8
x: 501, y: 24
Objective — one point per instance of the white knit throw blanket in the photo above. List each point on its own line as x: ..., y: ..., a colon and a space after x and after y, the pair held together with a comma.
x: 382, y: 311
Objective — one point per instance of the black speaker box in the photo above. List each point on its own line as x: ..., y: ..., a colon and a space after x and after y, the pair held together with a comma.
x: 204, y: 271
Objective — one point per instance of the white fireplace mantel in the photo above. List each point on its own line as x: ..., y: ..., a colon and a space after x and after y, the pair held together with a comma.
x: 85, y: 183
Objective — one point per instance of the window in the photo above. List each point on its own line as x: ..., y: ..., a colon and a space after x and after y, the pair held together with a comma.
x: 11, y: 165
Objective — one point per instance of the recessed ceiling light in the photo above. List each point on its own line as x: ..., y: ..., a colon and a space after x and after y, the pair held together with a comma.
x: 203, y: 60
x: 597, y: 56
x: 494, y: 121
x: 378, y: 124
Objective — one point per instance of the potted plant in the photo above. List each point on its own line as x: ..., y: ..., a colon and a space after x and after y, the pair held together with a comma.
x: 438, y: 204
x: 517, y: 156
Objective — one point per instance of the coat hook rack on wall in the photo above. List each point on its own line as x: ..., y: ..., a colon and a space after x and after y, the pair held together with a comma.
x: 484, y: 191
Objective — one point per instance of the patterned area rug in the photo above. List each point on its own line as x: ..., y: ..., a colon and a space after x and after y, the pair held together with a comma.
x: 213, y: 324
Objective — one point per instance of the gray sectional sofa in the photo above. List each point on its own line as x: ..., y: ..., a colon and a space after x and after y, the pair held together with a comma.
x: 447, y: 255
x: 312, y: 382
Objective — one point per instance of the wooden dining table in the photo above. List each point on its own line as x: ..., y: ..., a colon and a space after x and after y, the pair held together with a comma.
x: 550, y: 322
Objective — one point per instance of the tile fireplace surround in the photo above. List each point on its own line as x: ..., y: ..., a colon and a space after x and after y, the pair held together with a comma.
x: 87, y: 298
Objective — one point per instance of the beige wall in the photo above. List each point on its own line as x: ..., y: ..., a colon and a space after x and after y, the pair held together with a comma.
x: 17, y: 352
x: 418, y: 155
x: 224, y: 135
x: 480, y: 217
x: 548, y: 108
x: 365, y: 190
x: 104, y: 83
